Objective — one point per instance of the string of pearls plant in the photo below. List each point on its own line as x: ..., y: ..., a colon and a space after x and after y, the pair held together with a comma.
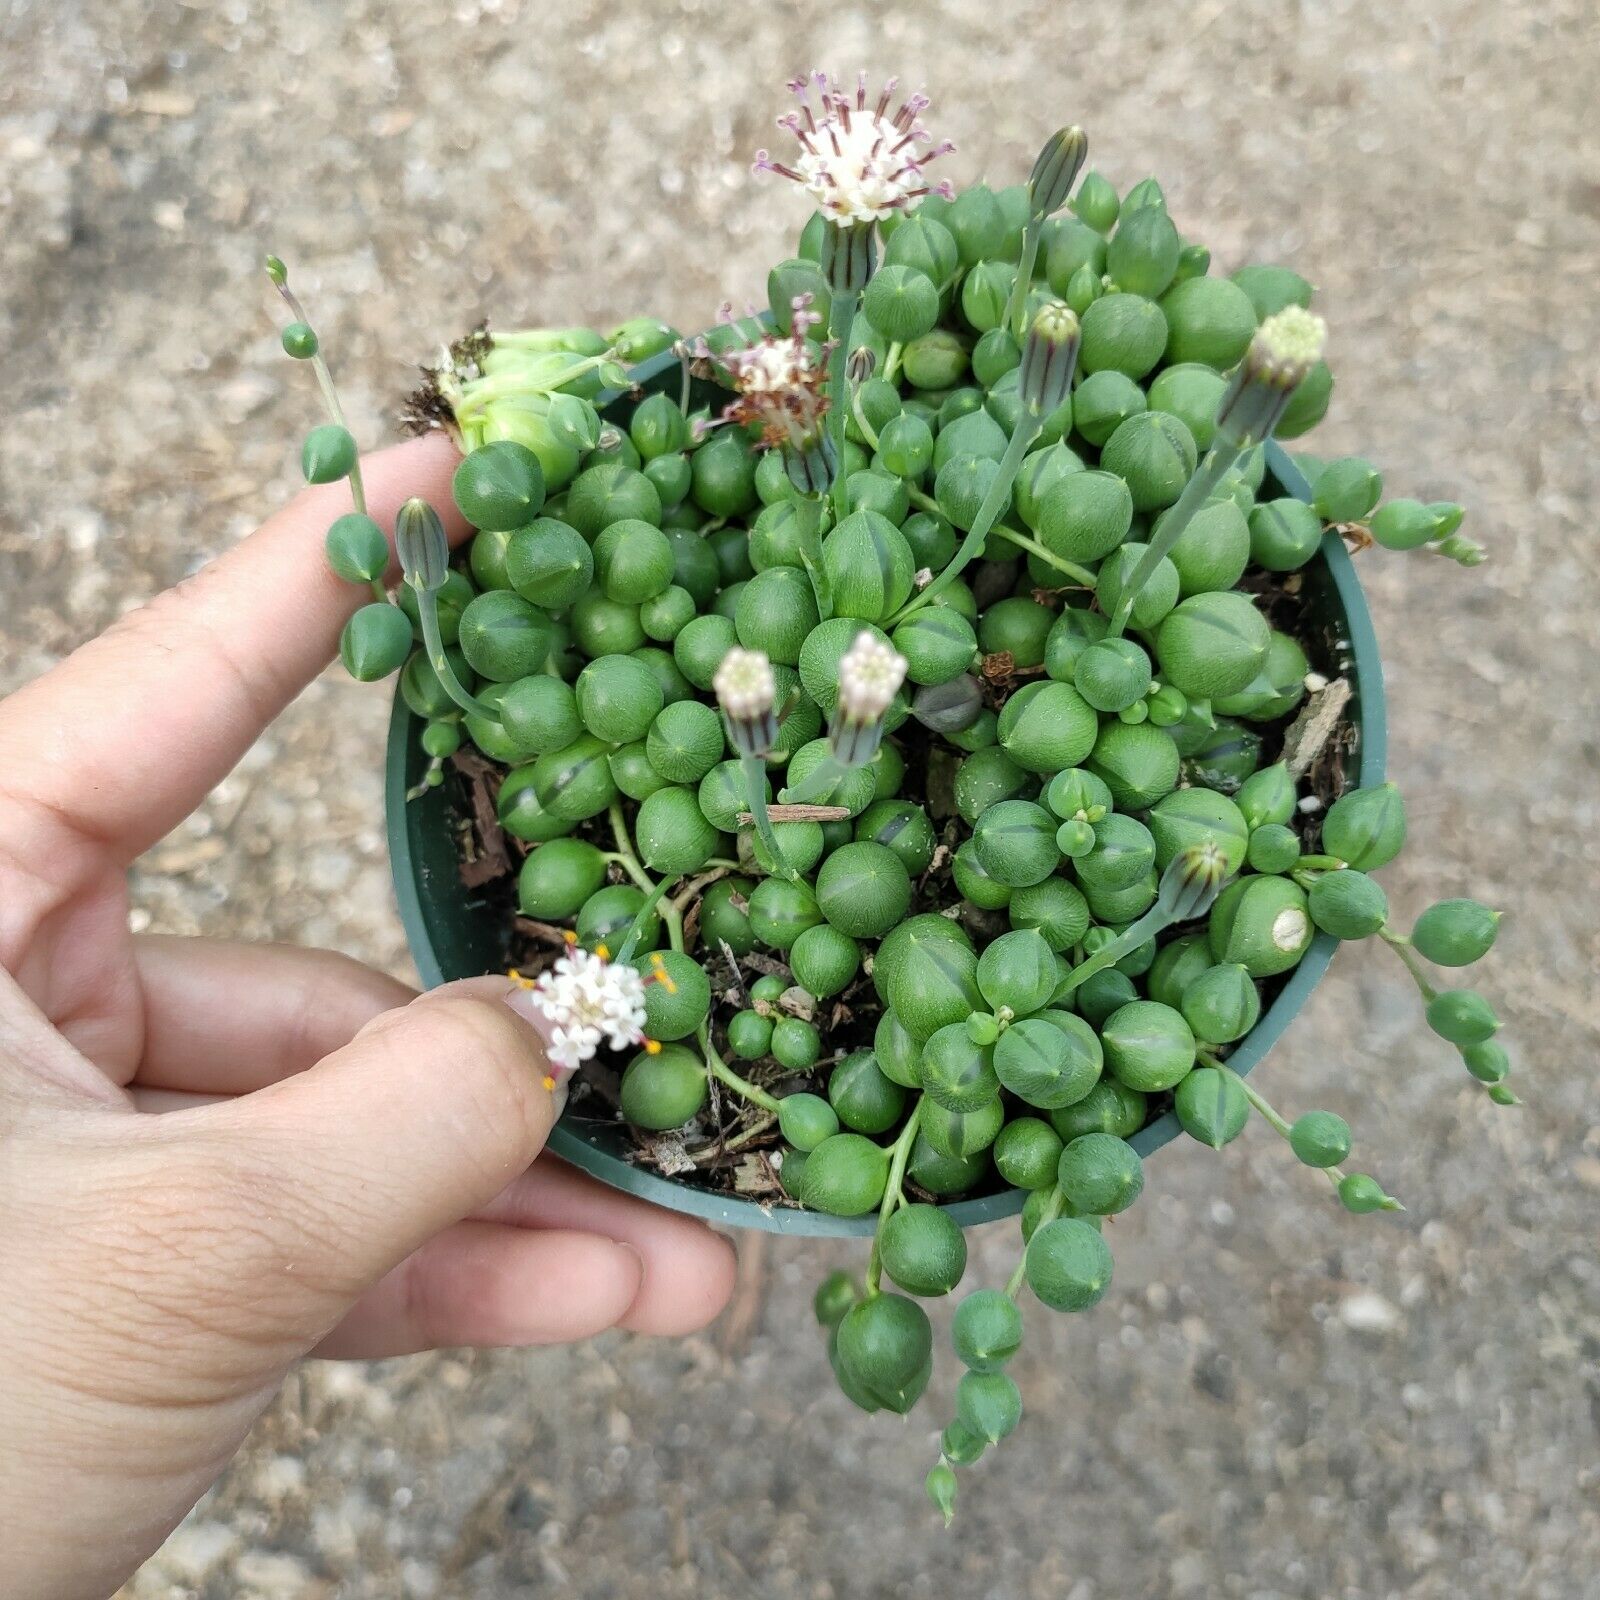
x: 929, y: 660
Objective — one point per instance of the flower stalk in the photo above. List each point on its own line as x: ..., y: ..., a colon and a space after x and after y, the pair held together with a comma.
x: 1285, y: 348
x: 894, y: 1192
x: 1188, y: 889
x: 748, y: 694
x: 870, y: 675
x: 1336, y: 1175
x: 849, y: 255
x: 424, y: 553
x: 1055, y: 170
x: 279, y: 274
x: 1048, y: 361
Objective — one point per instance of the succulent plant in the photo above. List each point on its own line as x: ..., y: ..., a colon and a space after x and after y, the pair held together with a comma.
x: 932, y: 685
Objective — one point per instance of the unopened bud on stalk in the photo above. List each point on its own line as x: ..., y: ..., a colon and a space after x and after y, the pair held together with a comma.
x: 1056, y: 170
x: 419, y: 540
x: 277, y: 271
x: 862, y: 364
x: 748, y: 693
x: 849, y: 255
x: 1192, y: 881
x: 1049, y: 355
x: 812, y: 466
x: 1281, y: 355
x: 870, y: 675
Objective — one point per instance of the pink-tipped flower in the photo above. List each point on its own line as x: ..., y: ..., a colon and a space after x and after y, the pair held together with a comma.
x: 870, y: 675
x: 780, y: 380
x: 858, y: 161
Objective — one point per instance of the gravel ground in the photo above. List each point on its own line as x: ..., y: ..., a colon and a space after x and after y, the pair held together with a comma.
x: 1278, y: 1401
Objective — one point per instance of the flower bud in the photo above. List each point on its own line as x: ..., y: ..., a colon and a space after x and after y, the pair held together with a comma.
x: 277, y: 271
x: 419, y: 540
x: 870, y: 675
x: 1055, y: 170
x: 849, y: 254
x: 1281, y: 355
x: 812, y: 465
x: 1049, y: 355
x: 748, y: 693
x: 1192, y: 882
x: 861, y: 364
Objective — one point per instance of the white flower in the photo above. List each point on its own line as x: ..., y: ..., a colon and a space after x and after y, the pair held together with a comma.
x: 869, y: 675
x: 1294, y: 336
x: 745, y: 685
x: 858, y: 162
x: 589, y: 1000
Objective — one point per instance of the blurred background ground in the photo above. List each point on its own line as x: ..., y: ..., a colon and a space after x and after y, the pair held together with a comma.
x: 1276, y: 1400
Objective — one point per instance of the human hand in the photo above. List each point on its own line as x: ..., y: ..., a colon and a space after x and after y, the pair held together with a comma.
x: 340, y: 1167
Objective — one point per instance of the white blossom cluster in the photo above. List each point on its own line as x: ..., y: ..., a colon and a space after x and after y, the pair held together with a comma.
x: 870, y: 674
x: 745, y: 685
x: 589, y: 1001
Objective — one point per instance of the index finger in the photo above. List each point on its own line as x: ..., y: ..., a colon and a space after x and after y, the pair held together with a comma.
x: 127, y: 735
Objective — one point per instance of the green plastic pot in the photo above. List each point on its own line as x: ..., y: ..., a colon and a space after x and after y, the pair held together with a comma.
x: 456, y: 932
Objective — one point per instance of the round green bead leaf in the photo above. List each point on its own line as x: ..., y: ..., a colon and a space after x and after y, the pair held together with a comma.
x: 1068, y: 1265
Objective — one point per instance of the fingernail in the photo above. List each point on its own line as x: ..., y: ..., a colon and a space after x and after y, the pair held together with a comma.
x: 519, y: 996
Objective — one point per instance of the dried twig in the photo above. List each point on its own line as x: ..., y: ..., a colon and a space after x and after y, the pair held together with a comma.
x: 1315, y: 725
x: 800, y: 813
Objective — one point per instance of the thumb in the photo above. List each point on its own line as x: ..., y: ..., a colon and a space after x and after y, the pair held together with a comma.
x: 425, y: 1116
